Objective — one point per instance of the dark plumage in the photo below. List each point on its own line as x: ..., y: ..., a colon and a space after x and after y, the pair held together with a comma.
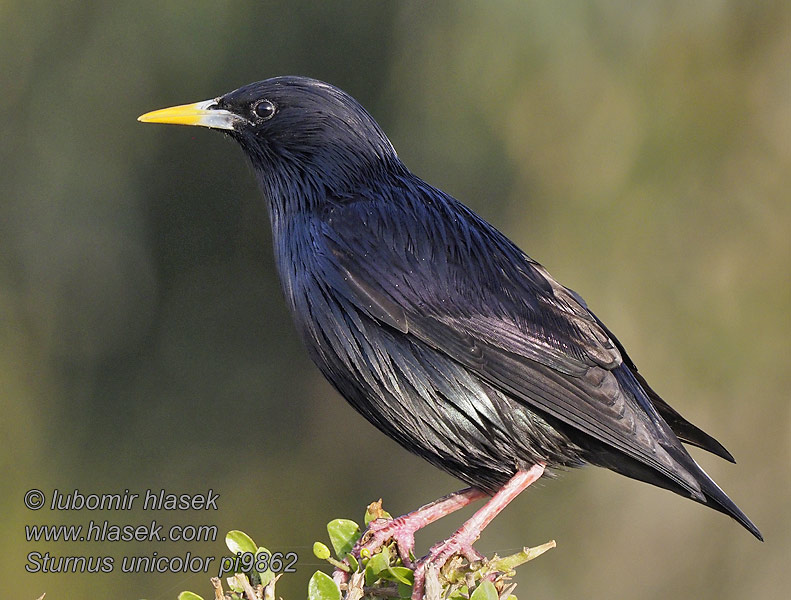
x: 429, y: 321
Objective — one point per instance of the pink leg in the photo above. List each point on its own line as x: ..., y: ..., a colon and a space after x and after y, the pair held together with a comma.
x: 402, y: 529
x: 461, y: 542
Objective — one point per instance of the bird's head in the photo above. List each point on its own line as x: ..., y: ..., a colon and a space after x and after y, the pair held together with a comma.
x: 296, y: 131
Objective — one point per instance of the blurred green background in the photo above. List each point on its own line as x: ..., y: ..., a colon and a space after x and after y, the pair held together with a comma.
x: 640, y: 151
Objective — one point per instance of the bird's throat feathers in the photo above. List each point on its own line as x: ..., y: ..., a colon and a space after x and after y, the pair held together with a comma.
x: 305, y: 182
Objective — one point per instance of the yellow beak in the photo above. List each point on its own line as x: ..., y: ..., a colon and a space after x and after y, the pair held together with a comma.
x: 202, y: 114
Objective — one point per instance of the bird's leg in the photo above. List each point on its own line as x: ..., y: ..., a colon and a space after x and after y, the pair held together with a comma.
x: 461, y: 542
x: 402, y: 529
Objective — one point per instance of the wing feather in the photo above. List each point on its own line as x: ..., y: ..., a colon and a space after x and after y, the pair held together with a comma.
x: 503, y: 317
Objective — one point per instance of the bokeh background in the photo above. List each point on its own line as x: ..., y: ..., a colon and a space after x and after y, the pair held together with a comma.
x: 640, y: 151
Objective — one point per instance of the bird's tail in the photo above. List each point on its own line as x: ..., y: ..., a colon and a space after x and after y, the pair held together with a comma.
x: 718, y: 500
x: 687, y: 479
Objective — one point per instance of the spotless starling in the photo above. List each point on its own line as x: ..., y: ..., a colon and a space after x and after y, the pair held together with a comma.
x: 436, y: 327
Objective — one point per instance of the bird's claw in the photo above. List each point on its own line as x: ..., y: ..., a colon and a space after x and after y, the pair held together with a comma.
x: 439, y: 555
x: 380, y: 531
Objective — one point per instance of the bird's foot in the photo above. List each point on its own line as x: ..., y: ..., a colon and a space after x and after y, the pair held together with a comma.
x: 380, y: 531
x: 426, y: 576
x: 402, y: 529
x: 460, y: 543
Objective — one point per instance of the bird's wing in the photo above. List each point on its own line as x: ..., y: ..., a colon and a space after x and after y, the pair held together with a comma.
x: 684, y: 430
x: 429, y: 268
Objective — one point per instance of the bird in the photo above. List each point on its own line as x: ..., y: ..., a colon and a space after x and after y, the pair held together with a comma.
x: 435, y: 326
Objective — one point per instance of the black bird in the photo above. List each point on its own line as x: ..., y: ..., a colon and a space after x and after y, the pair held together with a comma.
x: 434, y: 325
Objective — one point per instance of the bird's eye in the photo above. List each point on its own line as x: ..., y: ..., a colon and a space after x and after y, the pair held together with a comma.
x: 264, y: 110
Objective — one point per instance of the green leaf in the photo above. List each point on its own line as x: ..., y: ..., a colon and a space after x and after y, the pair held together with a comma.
x: 459, y: 594
x: 189, y: 596
x: 266, y: 575
x: 235, y: 584
x: 343, y: 535
x: 322, y: 587
x: 485, y: 591
x: 375, y: 511
x: 377, y: 565
x: 399, y: 574
x: 370, y: 577
x: 509, y: 563
x: 404, y: 591
x: 352, y: 562
x: 239, y: 541
x: 380, y: 561
x: 321, y: 551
